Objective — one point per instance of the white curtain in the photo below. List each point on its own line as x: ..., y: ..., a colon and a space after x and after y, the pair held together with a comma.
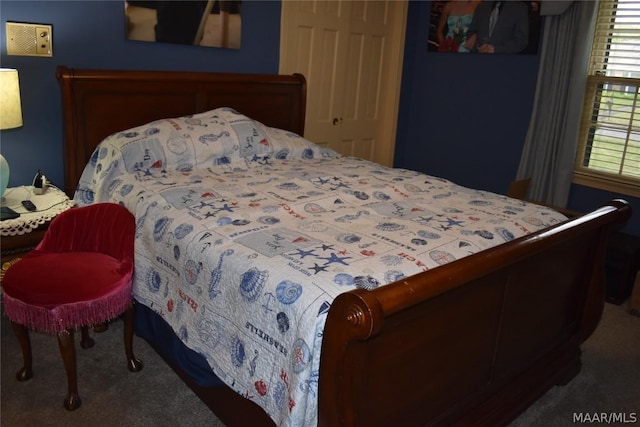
x: 550, y: 146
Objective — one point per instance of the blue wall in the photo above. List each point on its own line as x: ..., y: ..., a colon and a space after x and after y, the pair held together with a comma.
x: 462, y: 114
x: 91, y: 34
x: 465, y: 117
x: 461, y: 117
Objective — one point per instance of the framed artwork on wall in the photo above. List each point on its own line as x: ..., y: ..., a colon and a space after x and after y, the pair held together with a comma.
x: 209, y: 23
x: 474, y: 26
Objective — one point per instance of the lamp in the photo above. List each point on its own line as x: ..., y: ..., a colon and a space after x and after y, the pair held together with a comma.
x: 10, y: 114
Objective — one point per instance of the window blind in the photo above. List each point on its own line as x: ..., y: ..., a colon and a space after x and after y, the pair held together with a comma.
x: 609, y: 148
x: 616, y: 42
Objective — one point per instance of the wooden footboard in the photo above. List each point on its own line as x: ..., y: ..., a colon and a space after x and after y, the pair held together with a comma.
x: 471, y: 342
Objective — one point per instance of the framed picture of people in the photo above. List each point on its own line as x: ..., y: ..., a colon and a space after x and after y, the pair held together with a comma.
x: 484, y: 26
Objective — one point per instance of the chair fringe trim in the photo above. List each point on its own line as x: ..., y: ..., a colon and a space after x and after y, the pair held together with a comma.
x: 68, y: 316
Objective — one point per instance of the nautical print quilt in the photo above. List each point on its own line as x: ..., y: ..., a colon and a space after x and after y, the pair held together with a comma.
x: 245, y: 235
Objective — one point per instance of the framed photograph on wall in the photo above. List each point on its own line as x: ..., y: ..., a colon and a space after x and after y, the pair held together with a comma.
x: 206, y: 23
x: 475, y: 26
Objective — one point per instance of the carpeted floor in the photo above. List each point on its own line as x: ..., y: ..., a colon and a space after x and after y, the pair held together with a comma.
x: 112, y: 396
x: 609, y: 382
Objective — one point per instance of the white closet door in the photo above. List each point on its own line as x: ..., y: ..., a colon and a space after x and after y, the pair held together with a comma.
x: 351, y: 54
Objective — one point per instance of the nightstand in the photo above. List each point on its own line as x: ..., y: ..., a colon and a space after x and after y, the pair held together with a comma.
x: 20, y: 235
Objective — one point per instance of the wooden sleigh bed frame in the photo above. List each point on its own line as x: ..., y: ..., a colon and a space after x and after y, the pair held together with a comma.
x: 491, y: 332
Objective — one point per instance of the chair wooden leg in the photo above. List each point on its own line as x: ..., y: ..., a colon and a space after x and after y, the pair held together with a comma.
x: 22, y: 333
x: 86, y: 341
x: 134, y: 364
x: 101, y: 327
x: 68, y: 352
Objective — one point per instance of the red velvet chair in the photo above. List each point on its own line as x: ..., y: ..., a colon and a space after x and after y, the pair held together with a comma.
x: 78, y: 276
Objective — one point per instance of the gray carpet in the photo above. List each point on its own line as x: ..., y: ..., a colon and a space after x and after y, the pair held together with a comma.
x: 608, y: 383
x: 112, y: 396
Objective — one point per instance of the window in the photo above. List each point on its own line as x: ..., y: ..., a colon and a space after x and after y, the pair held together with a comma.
x: 608, y: 154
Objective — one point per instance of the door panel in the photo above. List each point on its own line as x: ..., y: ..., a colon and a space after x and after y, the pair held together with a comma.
x: 351, y: 54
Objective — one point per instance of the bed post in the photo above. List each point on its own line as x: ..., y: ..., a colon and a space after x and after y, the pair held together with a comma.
x: 355, y: 316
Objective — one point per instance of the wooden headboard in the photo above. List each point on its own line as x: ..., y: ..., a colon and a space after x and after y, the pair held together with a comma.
x: 98, y: 103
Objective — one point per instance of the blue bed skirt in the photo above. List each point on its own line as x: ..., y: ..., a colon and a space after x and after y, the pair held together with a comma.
x: 151, y: 327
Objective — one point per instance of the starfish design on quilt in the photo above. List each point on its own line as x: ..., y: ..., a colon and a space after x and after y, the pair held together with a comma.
x: 318, y: 268
x: 334, y: 183
x: 203, y: 205
x: 302, y: 253
x: 322, y: 181
x: 335, y: 259
x: 326, y: 247
x: 450, y: 223
x: 424, y: 219
x: 261, y: 160
x: 226, y: 208
x: 216, y: 210
x: 340, y: 185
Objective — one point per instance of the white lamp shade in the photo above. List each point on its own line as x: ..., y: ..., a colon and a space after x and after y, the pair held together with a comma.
x: 10, y: 114
x: 10, y: 105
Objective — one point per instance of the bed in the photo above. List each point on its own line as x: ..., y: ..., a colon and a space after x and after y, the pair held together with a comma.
x: 396, y: 328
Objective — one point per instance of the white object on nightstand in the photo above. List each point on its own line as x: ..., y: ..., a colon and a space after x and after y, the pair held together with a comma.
x: 40, y: 183
x: 48, y: 205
